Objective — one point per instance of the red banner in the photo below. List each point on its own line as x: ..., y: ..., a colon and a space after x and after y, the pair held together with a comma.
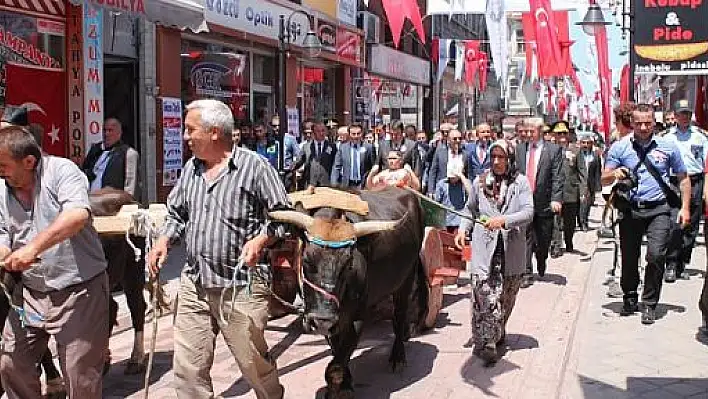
x: 603, y: 67
x: 483, y: 68
x: 471, y: 60
x: 624, y: 84
x: 547, y: 29
x: 349, y: 45
x: 41, y: 92
x: 397, y: 11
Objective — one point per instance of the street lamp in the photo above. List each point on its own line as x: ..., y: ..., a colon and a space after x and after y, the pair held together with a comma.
x: 593, y: 19
x: 311, y: 47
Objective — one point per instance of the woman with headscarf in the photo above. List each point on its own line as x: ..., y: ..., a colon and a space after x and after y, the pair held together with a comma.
x: 501, y: 201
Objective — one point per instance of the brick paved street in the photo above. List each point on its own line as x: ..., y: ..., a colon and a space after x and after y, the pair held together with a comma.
x: 565, y: 340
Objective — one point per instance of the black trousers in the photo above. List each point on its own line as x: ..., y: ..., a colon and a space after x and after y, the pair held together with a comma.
x: 683, y: 240
x: 123, y: 269
x: 570, y: 214
x: 538, y: 241
x: 656, y: 225
x: 585, y: 206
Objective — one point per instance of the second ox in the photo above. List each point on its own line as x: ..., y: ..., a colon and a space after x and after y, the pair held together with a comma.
x: 350, y: 263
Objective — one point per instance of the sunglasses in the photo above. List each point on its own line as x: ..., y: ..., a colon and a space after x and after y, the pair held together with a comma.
x: 456, y: 138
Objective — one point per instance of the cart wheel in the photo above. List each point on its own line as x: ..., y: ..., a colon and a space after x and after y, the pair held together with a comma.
x: 435, y: 301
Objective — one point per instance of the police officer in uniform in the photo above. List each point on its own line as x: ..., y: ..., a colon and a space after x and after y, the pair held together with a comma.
x: 649, y: 210
x: 694, y: 150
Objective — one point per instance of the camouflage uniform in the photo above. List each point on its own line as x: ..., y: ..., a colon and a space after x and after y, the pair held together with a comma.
x: 493, y: 300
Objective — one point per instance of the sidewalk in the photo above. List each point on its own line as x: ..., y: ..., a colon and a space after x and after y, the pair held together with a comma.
x: 618, y: 357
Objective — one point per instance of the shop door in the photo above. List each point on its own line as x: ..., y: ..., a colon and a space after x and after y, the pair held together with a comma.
x: 119, y: 97
x: 263, y: 108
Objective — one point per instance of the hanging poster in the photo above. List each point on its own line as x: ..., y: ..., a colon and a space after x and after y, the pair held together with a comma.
x: 93, y: 74
x: 171, y: 140
x: 293, y: 121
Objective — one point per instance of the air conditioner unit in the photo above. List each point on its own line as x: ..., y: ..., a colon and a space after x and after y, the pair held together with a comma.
x: 370, y: 24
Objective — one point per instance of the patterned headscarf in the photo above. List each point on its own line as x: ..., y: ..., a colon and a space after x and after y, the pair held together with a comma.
x: 495, y: 186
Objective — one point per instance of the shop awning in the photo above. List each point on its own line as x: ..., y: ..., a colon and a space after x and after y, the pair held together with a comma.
x: 182, y: 14
x: 51, y: 8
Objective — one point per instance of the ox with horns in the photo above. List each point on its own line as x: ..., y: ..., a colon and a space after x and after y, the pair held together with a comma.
x: 351, y: 263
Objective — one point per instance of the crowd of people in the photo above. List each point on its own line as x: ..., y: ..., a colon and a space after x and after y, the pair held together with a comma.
x: 525, y: 192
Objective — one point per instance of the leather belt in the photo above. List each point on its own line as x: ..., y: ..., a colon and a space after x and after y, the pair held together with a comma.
x: 647, y: 204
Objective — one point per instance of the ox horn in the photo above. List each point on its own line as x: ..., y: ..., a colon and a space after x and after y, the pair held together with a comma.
x: 293, y: 217
x: 362, y: 229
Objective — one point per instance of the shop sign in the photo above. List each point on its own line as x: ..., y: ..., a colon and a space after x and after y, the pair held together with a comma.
x: 75, y: 75
x: 349, y: 45
x: 129, y: 6
x: 672, y: 38
x: 391, y: 63
x: 346, y: 11
x: 19, y: 47
x: 256, y: 17
x: 93, y: 74
x: 328, y: 36
x: 171, y: 140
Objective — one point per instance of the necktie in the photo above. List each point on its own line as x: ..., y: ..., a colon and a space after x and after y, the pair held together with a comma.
x: 531, y: 167
x: 319, y: 150
x: 481, y: 153
x: 355, y: 163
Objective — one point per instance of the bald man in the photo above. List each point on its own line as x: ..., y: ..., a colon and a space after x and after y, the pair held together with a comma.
x: 112, y: 163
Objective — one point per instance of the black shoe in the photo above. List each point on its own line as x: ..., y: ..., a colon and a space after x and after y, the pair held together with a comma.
x: 670, y: 275
x: 629, y: 307
x: 569, y: 249
x: 541, y: 266
x: 648, y: 315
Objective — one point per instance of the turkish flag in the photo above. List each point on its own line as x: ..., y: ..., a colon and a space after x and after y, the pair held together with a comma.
x: 41, y: 92
x: 483, y: 68
x: 410, y: 7
x: 471, y: 59
x: 548, y: 47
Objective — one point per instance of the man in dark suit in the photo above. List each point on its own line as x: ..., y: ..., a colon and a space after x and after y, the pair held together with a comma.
x: 542, y: 163
x: 478, y: 152
x: 443, y: 156
x: 397, y: 143
x: 593, y: 164
x: 317, y: 158
x: 353, y: 161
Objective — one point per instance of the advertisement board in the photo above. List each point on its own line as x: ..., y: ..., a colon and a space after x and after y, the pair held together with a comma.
x: 672, y: 38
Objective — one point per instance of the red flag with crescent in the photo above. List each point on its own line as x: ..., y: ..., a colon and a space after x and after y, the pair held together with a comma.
x: 483, y: 62
x: 41, y: 92
x: 548, y: 45
x: 471, y: 59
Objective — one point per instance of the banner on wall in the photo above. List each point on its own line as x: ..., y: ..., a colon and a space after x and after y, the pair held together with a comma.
x: 293, y: 121
x: 171, y: 140
x: 41, y: 92
x: 93, y: 74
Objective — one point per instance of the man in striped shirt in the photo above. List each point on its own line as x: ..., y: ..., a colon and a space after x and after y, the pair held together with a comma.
x: 219, y: 208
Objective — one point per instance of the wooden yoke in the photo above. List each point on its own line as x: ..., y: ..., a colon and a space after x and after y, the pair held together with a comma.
x: 325, y: 197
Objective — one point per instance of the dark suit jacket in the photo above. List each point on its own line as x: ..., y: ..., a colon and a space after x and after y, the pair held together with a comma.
x: 342, y: 169
x: 594, y: 172
x: 549, y: 176
x: 574, y: 175
x: 476, y: 166
x: 438, y: 168
x: 385, y: 146
x: 317, y: 171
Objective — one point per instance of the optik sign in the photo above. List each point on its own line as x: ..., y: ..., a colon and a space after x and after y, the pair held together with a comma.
x: 256, y: 17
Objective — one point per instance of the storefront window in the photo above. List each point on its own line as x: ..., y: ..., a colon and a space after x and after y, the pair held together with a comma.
x: 212, y: 71
x: 30, y: 41
x: 316, y: 89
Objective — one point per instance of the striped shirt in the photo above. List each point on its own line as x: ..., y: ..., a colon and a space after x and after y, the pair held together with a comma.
x: 216, y: 218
